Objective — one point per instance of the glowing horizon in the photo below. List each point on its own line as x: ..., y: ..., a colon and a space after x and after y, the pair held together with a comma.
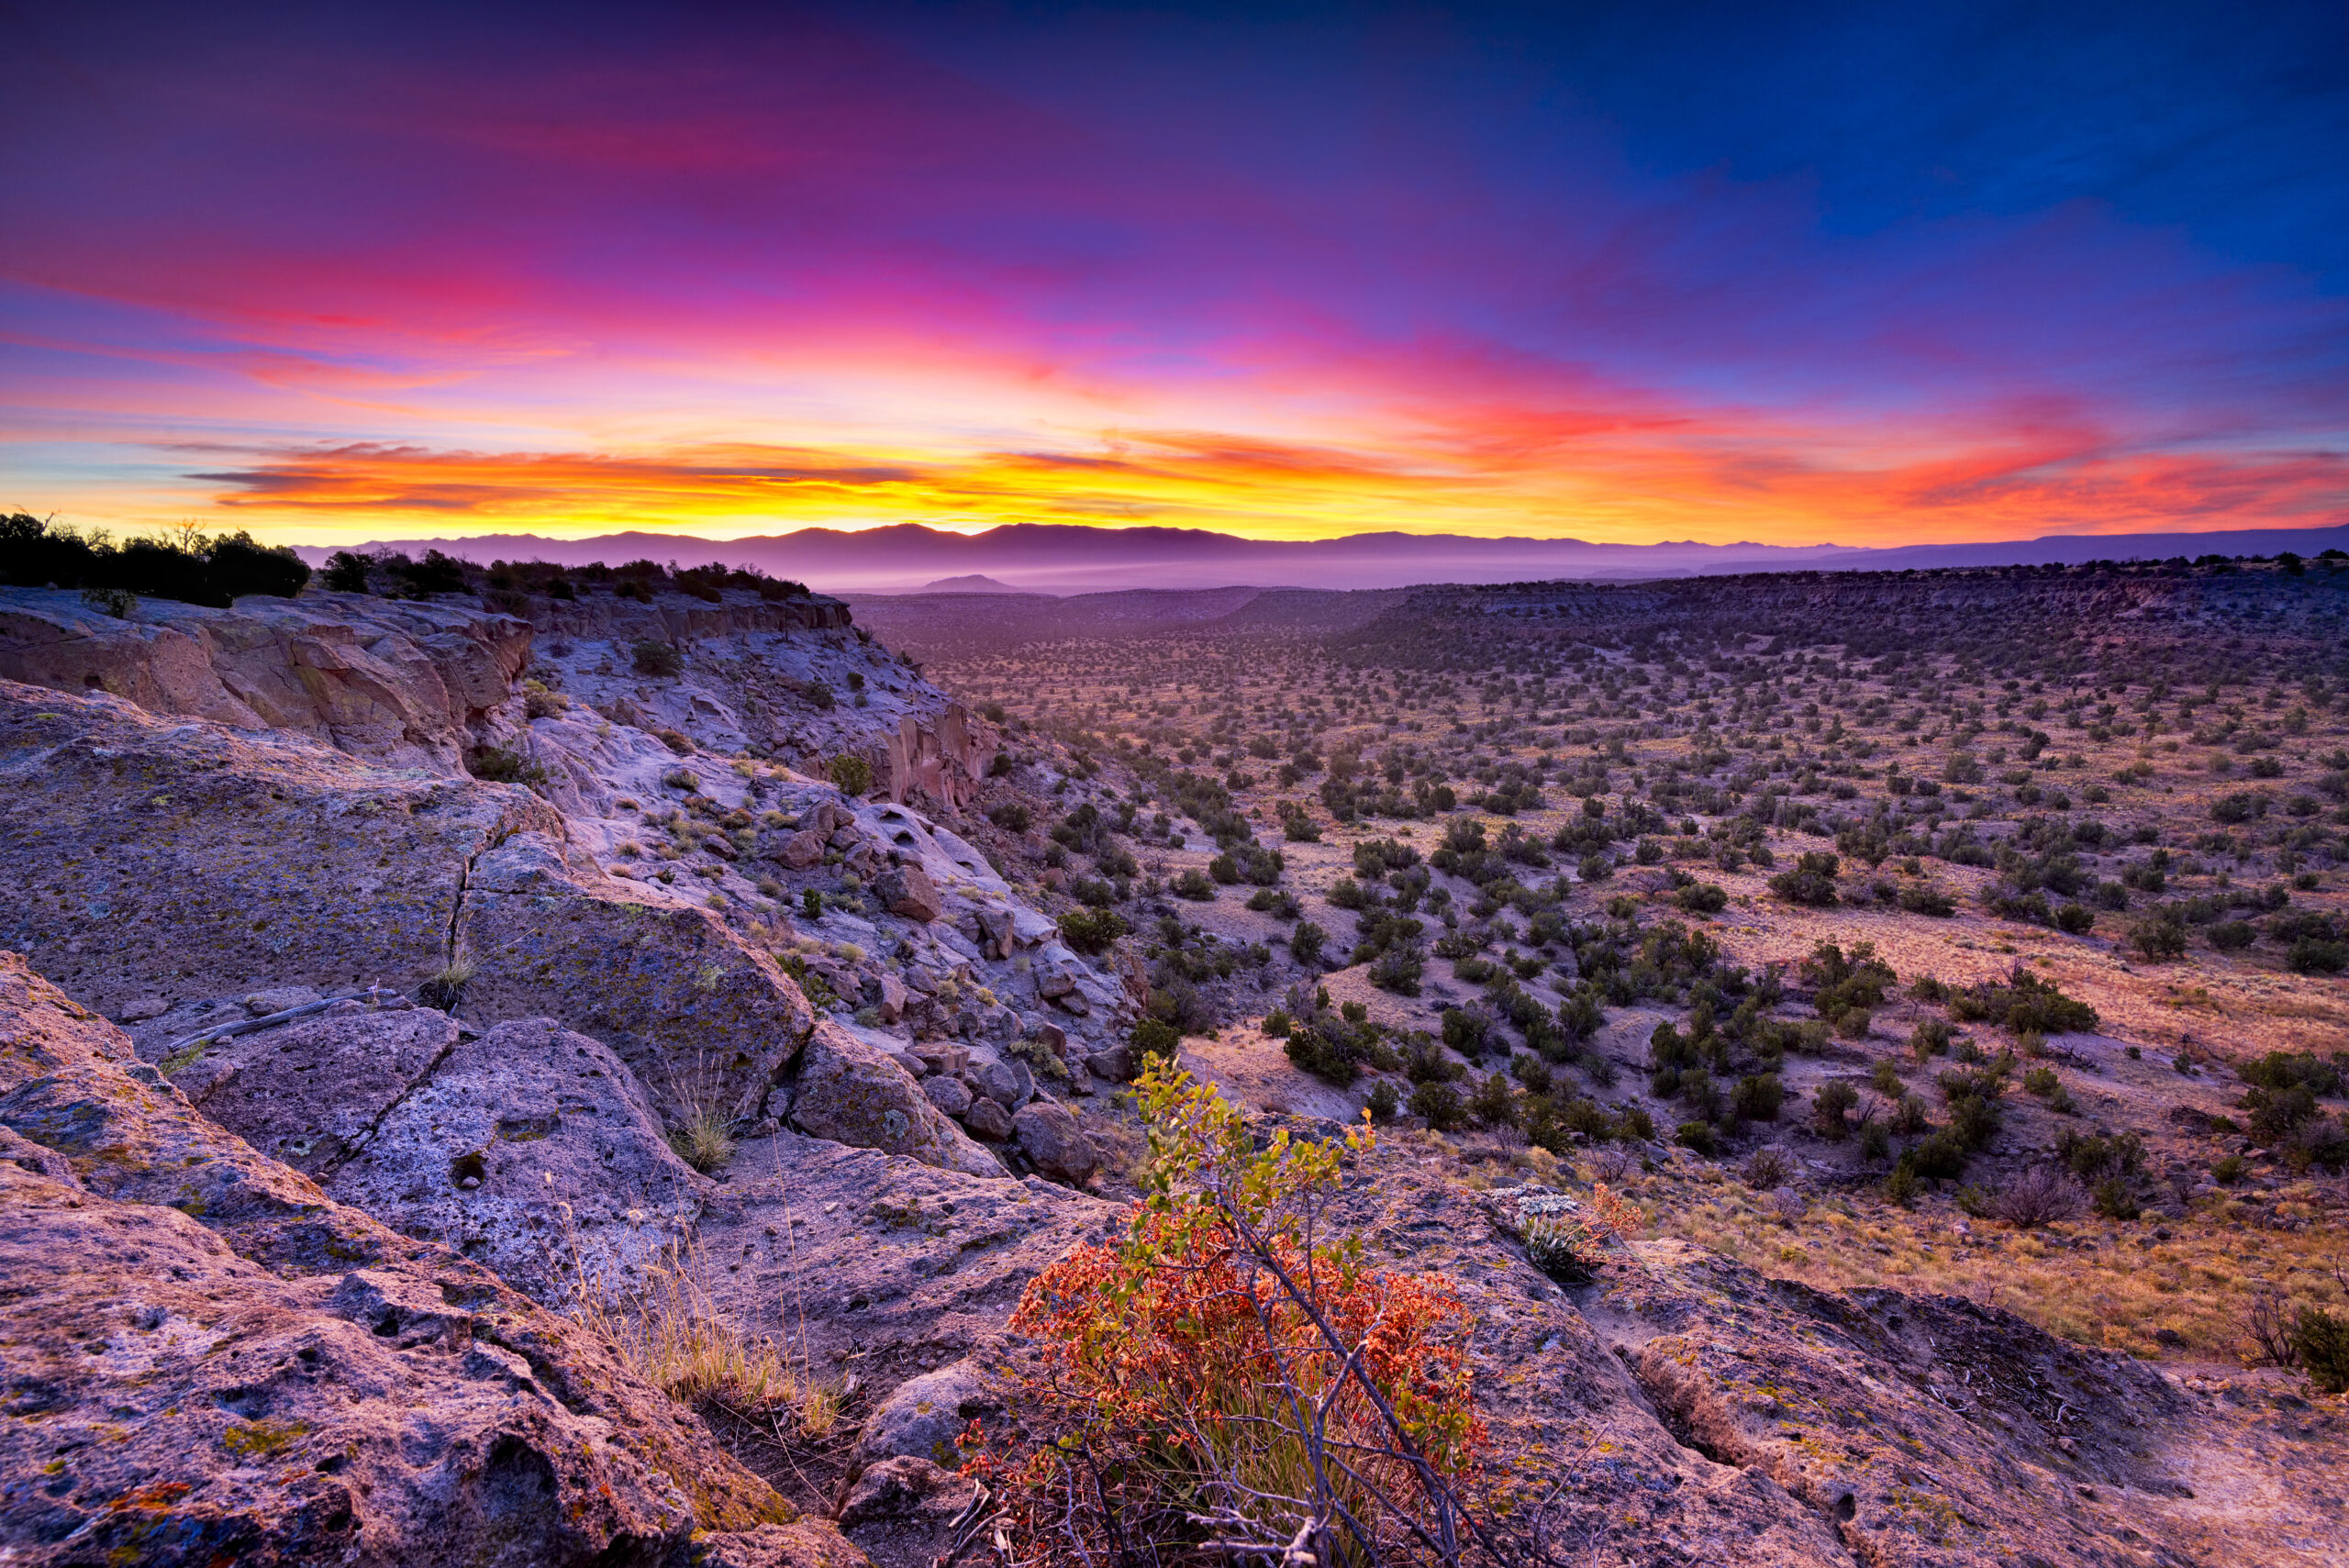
x: 1862, y: 281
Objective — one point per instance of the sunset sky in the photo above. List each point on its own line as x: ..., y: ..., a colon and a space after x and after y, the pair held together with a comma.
x: 1869, y: 274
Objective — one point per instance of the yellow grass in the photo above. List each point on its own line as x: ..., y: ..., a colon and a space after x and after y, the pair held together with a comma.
x: 2116, y: 1294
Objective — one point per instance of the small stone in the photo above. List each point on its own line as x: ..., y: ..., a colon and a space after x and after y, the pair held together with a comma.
x: 140, y: 1011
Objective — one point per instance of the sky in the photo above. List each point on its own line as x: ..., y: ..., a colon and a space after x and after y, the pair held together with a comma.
x: 1796, y: 275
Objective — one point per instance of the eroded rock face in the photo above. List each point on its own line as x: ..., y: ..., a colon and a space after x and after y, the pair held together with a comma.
x: 902, y: 1263
x: 694, y: 1010
x: 942, y: 761
x: 395, y: 681
x: 211, y: 1360
x: 531, y: 1150
x: 311, y: 1092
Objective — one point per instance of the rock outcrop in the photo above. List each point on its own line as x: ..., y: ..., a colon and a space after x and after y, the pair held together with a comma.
x: 397, y: 681
x: 209, y: 1360
x: 943, y: 761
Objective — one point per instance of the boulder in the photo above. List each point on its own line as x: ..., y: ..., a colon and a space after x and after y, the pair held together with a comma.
x: 924, y: 1416
x: 852, y: 1093
x: 943, y: 761
x: 893, y: 998
x: 904, y: 1486
x: 1054, y: 1143
x: 1008, y: 1084
x: 907, y: 890
x: 987, y: 1120
x: 801, y: 849
x: 1113, y: 1064
x: 995, y: 934
x: 949, y: 1094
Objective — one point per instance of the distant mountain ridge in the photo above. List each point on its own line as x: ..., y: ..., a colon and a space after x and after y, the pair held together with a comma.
x: 1071, y: 558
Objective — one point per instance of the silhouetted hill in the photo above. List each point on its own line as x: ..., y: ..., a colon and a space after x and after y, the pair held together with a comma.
x: 1072, y: 558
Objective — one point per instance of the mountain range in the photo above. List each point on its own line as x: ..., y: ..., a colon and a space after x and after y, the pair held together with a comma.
x: 1074, y: 558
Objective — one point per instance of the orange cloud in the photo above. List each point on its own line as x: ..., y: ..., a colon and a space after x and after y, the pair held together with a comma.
x: 1613, y: 481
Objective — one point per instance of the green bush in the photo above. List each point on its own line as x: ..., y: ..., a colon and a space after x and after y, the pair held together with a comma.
x: 2158, y: 939
x: 1327, y: 1058
x: 1154, y: 1037
x: 1090, y: 931
x: 2322, y: 1337
x: 650, y: 656
x: 1812, y: 882
x: 496, y: 764
x: 1757, y: 1097
x: 1702, y: 899
x: 1698, y: 1136
x: 850, y: 774
x: 1829, y: 1108
x: 1439, y: 1105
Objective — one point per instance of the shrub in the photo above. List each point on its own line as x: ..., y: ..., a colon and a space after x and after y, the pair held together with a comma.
x: 2232, y: 935
x: 850, y: 774
x: 1439, y: 1105
x: 2321, y: 1339
x: 2040, y: 1196
x: 1757, y: 1097
x: 1384, y: 1101
x: 2115, y: 1199
x: 446, y: 990
x: 1767, y: 1168
x: 1702, y: 899
x: 2026, y: 1003
x: 1090, y: 931
x: 1313, y: 1051
x: 2315, y: 955
x: 1829, y: 1108
x: 1306, y: 943
x: 1569, y: 1241
x: 1155, y: 1037
x: 650, y: 656
x: 1698, y: 1136
x: 1810, y: 881
x: 1398, y: 970
x: 1942, y: 1156
x: 1927, y: 900
x: 1224, y: 1373
x: 1012, y: 816
x: 2076, y: 919
x: 1195, y: 886
x: 2042, y: 1083
x: 496, y: 764
x: 2158, y: 939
